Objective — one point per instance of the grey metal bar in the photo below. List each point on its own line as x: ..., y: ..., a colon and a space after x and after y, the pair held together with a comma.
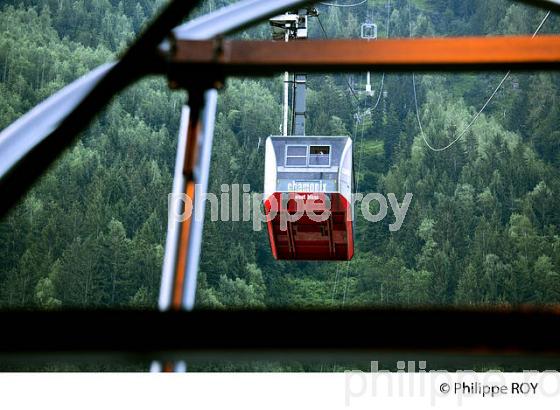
x: 176, y: 205
x: 298, y: 126
x: 29, y: 130
x: 221, y: 22
x: 35, y: 127
x: 34, y: 144
x: 21, y: 136
x: 174, y: 211
x: 201, y: 176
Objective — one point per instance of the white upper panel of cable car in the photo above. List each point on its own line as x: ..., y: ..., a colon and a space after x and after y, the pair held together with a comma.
x: 309, y: 152
x: 293, y: 163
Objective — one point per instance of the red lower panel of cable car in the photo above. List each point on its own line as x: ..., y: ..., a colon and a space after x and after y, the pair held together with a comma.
x: 302, y: 227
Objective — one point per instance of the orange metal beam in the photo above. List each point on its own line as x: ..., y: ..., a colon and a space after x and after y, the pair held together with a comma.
x: 193, y: 134
x: 234, y: 57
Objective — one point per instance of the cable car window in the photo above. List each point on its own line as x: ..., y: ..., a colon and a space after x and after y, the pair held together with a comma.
x: 296, y: 150
x: 296, y: 155
x: 319, y: 156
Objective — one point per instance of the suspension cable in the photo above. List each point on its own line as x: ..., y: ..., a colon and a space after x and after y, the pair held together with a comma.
x: 343, y: 5
x: 355, y: 133
x: 335, y: 283
x: 475, y: 117
x: 325, y: 35
x: 388, y: 6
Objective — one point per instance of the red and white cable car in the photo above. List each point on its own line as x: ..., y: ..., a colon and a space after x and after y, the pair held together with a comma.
x: 308, y: 197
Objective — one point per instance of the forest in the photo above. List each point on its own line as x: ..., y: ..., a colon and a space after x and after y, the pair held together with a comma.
x: 482, y: 228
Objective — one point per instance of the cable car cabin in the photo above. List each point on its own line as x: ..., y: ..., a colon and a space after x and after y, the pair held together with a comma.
x: 307, y: 197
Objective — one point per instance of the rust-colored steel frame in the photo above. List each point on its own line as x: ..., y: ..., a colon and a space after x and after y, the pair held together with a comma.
x: 201, y: 64
x: 198, y: 66
x: 250, y: 58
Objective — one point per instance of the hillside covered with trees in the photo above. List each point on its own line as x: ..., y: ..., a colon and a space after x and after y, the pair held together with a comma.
x: 483, y: 226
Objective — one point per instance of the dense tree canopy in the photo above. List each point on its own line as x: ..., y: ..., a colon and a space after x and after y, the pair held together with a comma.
x: 483, y: 227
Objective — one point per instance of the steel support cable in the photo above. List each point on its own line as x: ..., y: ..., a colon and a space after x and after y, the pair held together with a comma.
x: 343, y: 5
x: 388, y: 5
x: 325, y: 35
x: 357, y: 186
x: 355, y: 133
x: 359, y: 170
x: 345, y: 284
x: 335, y: 283
x: 477, y: 115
